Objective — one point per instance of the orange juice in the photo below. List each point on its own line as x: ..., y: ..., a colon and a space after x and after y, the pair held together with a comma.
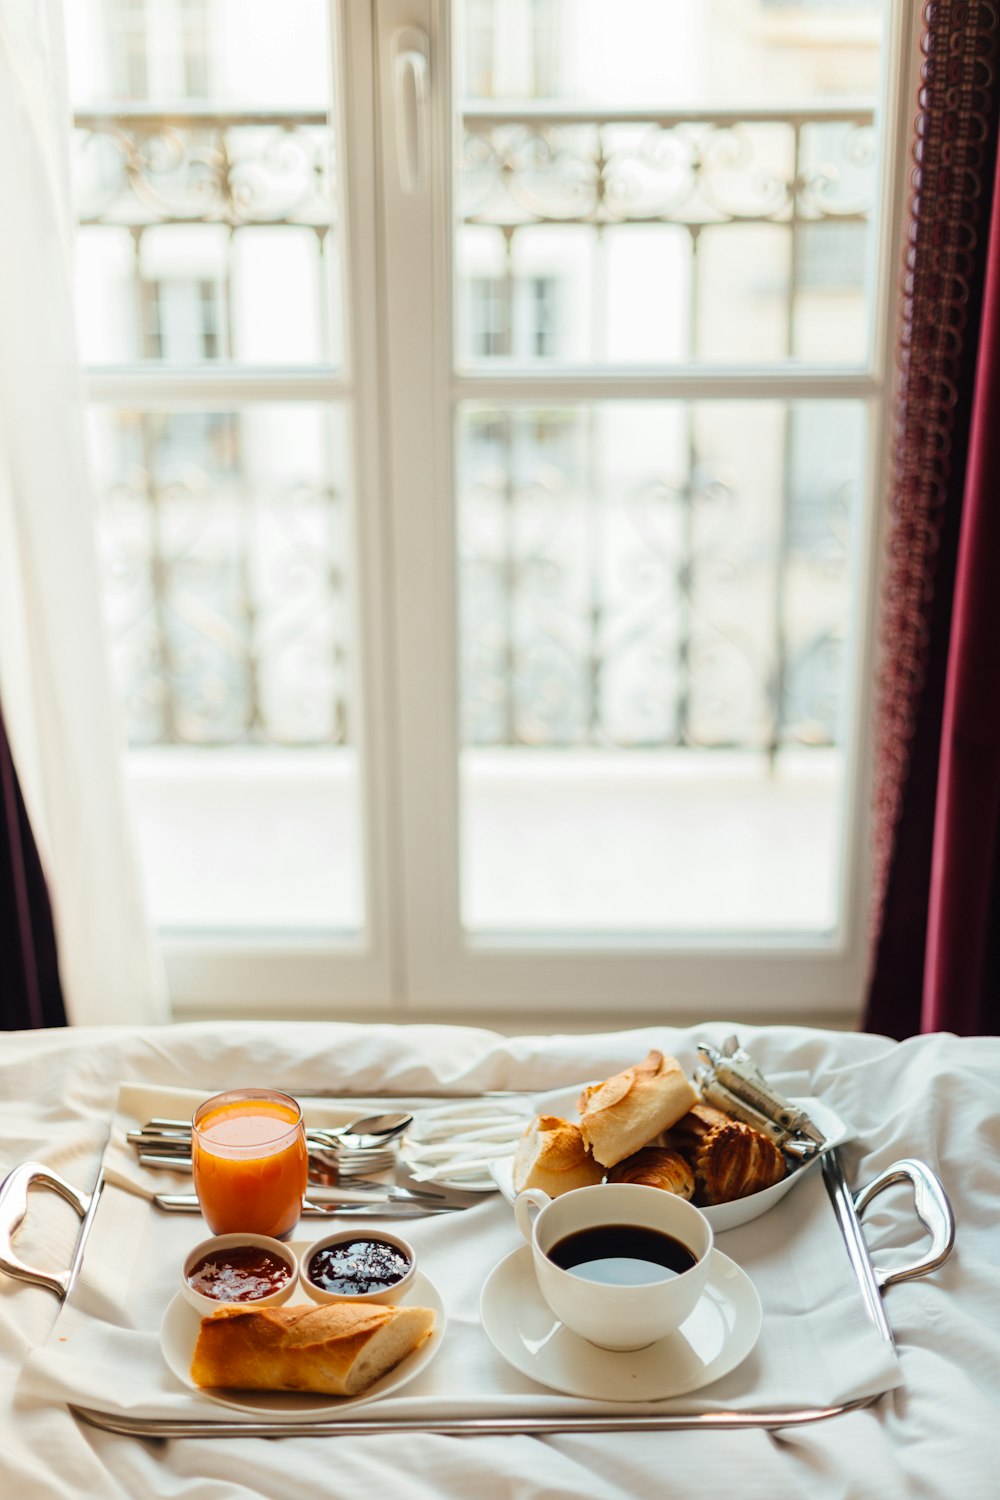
x: 248, y: 1150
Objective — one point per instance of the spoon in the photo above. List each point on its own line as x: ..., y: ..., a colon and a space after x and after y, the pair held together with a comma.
x: 364, y: 1133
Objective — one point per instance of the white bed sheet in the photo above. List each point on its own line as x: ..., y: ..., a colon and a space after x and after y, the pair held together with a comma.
x: 937, y: 1435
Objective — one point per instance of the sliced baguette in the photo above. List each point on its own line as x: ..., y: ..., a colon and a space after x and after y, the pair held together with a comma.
x: 337, y: 1350
x: 551, y: 1155
x: 628, y: 1110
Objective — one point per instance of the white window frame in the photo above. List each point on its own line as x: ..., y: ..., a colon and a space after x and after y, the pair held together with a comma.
x: 414, y: 960
x: 450, y: 971
x: 325, y: 973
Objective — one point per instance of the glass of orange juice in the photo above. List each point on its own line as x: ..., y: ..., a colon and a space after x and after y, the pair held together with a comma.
x: 248, y: 1151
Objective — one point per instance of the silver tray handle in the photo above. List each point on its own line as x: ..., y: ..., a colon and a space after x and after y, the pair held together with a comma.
x: 14, y: 1206
x: 932, y: 1208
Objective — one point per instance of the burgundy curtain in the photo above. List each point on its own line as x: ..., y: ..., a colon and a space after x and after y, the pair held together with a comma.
x: 30, y: 993
x: 936, y: 907
x: 962, y: 971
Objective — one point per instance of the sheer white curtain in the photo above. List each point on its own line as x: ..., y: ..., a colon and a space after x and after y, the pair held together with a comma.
x: 53, y: 662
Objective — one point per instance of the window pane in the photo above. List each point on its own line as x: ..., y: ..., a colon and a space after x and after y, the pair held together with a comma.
x: 654, y: 601
x: 204, y: 177
x: 224, y: 538
x: 655, y: 597
x: 695, y: 181
x: 687, y: 52
x: 205, y: 191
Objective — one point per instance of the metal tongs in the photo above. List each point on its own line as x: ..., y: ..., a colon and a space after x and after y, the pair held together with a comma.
x: 731, y: 1081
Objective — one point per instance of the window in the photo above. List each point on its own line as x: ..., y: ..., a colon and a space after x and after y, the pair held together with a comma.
x: 154, y: 49
x: 512, y: 317
x: 489, y: 317
x: 212, y: 320
x: 180, y: 320
x: 486, y: 411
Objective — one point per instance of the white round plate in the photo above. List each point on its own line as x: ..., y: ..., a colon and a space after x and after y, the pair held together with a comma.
x: 718, y: 1336
x: 179, y: 1333
x: 722, y: 1216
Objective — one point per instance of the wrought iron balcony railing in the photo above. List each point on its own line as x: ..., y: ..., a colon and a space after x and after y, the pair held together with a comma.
x: 606, y: 596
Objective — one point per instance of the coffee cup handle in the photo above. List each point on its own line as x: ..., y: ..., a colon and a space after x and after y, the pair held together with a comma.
x: 527, y: 1206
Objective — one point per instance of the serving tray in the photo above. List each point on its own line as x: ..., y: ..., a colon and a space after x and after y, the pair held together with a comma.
x: 932, y: 1209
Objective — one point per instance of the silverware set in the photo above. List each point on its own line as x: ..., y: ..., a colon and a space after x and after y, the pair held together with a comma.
x: 342, y: 1164
x: 173, y: 1154
x: 363, y: 1147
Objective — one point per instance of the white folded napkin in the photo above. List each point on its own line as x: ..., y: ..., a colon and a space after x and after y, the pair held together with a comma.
x: 456, y: 1142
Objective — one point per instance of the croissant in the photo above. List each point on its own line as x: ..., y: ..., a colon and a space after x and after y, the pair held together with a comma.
x: 691, y: 1129
x: 733, y: 1160
x: 655, y: 1167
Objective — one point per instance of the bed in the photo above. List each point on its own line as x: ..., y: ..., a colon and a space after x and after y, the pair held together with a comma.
x: 932, y: 1431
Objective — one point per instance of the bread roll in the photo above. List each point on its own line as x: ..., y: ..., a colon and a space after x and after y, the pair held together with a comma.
x: 655, y: 1167
x: 734, y: 1160
x: 339, y: 1349
x: 628, y: 1110
x: 551, y: 1155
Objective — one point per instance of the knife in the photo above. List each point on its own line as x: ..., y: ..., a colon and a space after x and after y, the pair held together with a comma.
x: 375, y: 1208
x: 362, y: 1191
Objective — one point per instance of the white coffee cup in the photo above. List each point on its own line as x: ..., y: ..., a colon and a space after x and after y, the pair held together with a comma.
x: 616, y: 1316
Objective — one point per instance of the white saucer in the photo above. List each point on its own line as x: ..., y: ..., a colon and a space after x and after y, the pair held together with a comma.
x: 721, y: 1216
x: 179, y: 1333
x: 718, y: 1336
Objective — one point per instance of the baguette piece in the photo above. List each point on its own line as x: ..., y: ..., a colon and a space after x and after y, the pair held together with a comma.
x: 654, y: 1166
x: 339, y: 1349
x: 628, y: 1110
x: 551, y: 1155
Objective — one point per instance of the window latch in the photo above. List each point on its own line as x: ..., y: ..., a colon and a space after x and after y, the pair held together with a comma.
x: 411, y: 86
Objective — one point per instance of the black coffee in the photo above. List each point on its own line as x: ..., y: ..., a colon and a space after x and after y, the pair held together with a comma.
x: 622, y: 1255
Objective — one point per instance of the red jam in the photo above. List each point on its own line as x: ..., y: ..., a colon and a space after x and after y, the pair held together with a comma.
x: 242, y: 1274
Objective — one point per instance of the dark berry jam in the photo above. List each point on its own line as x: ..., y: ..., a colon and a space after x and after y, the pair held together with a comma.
x: 242, y: 1274
x: 353, y: 1267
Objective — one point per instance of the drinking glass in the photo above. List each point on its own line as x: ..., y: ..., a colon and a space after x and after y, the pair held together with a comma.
x: 248, y: 1151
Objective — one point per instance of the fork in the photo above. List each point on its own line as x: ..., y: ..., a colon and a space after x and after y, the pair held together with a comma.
x: 321, y: 1169
x: 160, y: 1149
x: 175, y: 1134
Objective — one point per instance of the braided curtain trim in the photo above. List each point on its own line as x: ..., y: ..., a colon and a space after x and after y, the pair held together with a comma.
x: 951, y: 134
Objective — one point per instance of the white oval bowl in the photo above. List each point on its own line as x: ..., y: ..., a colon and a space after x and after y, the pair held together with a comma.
x: 220, y: 1242
x: 721, y: 1216
x: 341, y: 1236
